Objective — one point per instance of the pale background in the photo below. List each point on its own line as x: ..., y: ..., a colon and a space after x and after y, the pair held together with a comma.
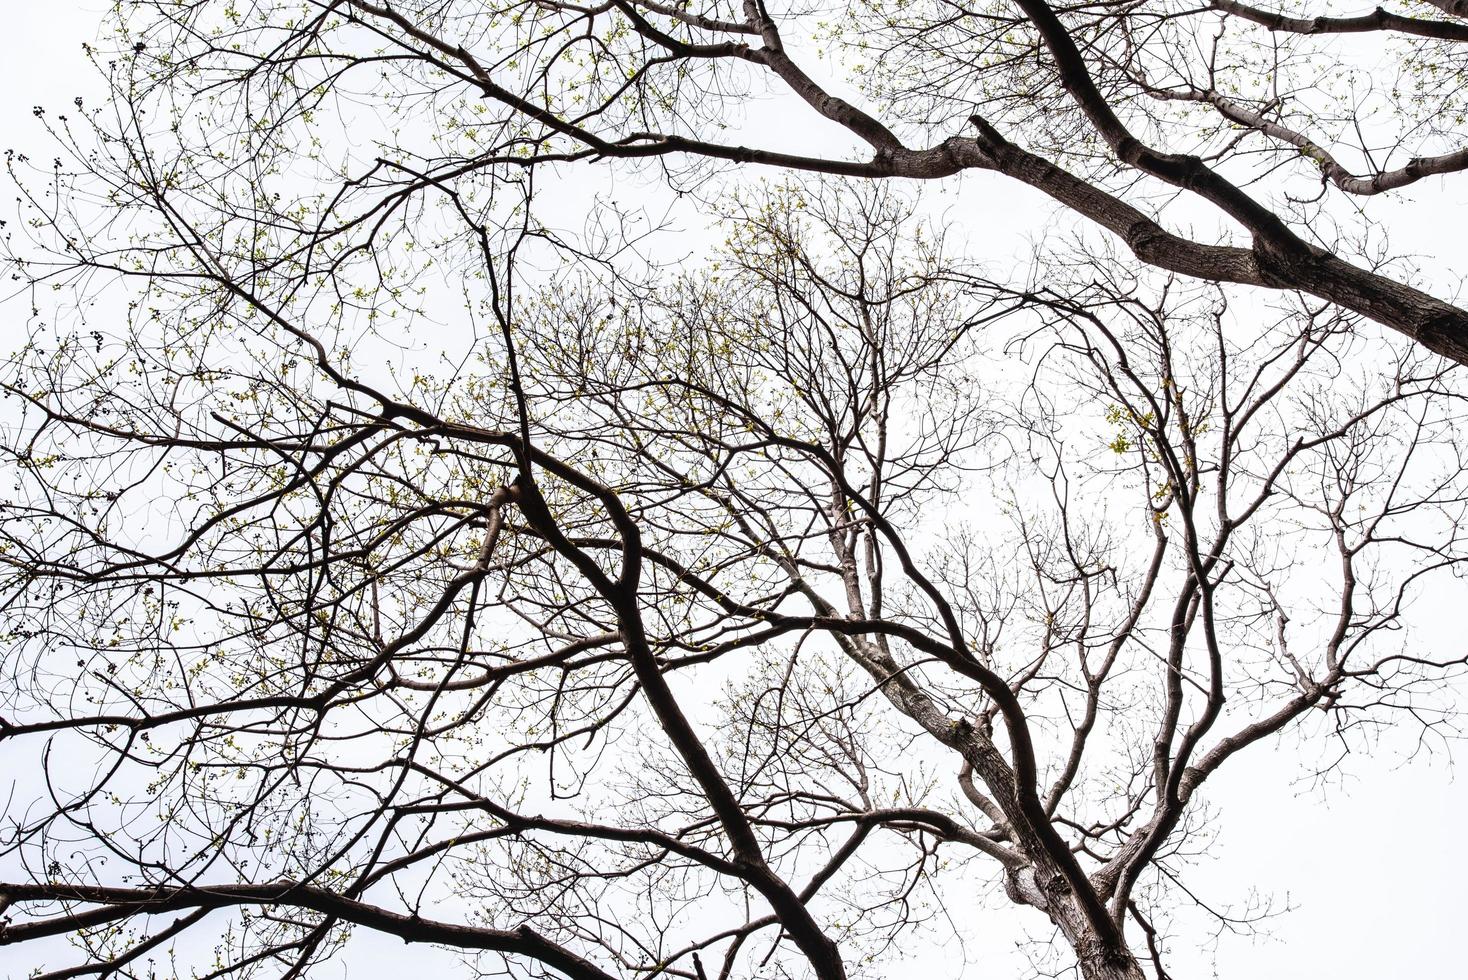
x: 1373, y: 867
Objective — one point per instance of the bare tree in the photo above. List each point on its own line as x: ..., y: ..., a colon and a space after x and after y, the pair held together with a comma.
x: 698, y: 624
x: 714, y: 620
x: 1144, y: 118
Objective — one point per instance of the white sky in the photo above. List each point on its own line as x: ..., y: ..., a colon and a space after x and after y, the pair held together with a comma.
x: 1373, y: 869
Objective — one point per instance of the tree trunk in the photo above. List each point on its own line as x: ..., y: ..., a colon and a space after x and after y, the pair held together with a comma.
x: 1096, y: 959
x: 1123, y: 966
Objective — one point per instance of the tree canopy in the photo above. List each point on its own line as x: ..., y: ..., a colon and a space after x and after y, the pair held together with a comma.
x: 406, y: 538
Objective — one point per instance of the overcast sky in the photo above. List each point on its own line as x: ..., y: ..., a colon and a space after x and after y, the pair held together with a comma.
x: 1373, y: 867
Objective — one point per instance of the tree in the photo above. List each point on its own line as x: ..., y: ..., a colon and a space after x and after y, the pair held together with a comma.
x: 1103, y: 107
x: 703, y: 621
